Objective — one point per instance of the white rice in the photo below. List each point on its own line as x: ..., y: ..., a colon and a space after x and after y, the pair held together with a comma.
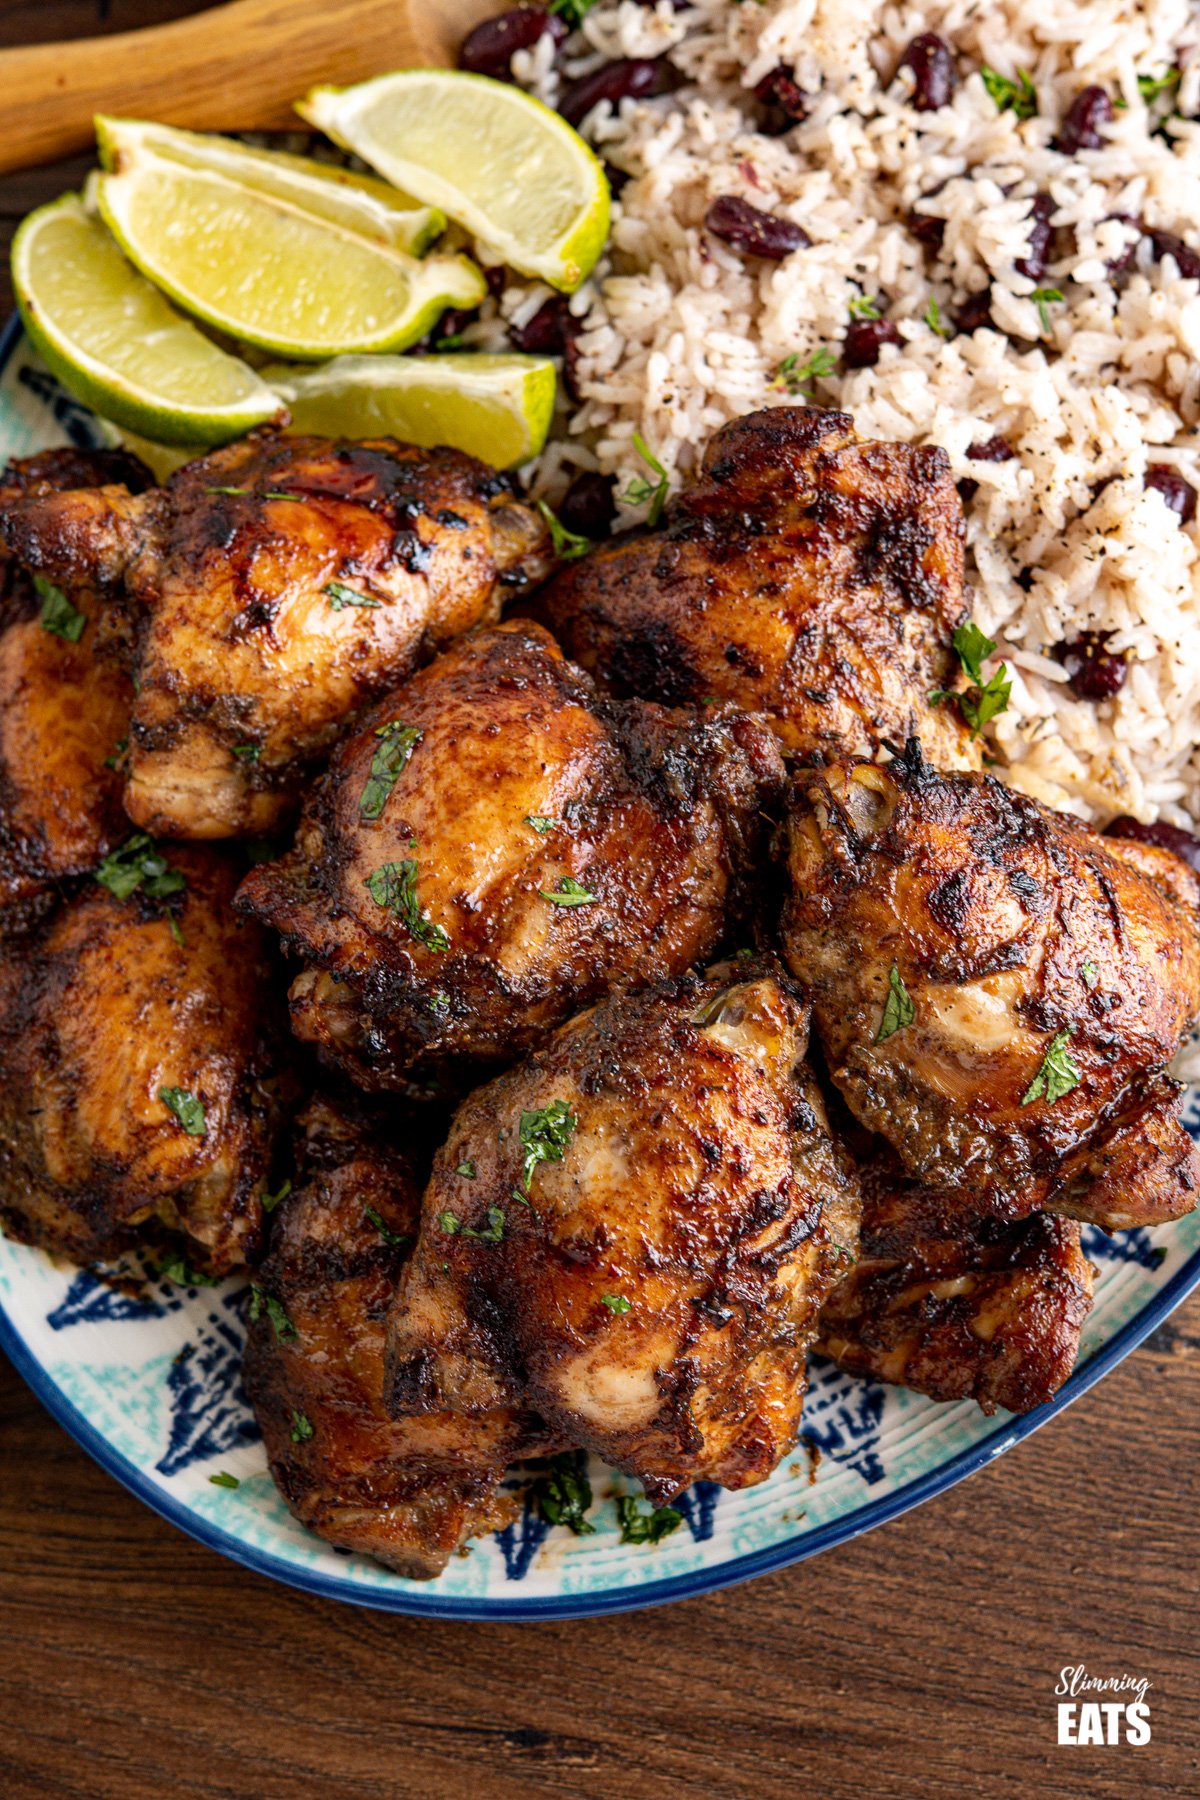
x: 683, y: 333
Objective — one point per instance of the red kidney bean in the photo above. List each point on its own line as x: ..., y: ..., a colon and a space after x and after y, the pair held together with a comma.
x: 754, y: 233
x: 993, y: 449
x: 932, y: 66
x: 552, y: 331
x: 630, y: 78
x: 1093, y: 672
x: 1175, y: 489
x: 1081, y: 129
x: 1167, y: 244
x: 1163, y: 836
x: 927, y: 229
x: 588, y: 506
x: 488, y: 50
x: 1121, y: 265
x: 865, y: 339
x: 1040, y: 233
x: 975, y: 312
x: 785, y: 102
x: 497, y: 279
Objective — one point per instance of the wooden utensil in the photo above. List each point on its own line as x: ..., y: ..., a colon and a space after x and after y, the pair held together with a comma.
x: 237, y: 67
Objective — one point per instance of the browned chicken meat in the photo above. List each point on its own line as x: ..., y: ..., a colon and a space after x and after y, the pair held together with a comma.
x: 277, y: 585
x: 632, y: 1234
x: 138, y: 1086
x: 498, y: 846
x: 981, y: 1309
x: 408, y: 1492
x: 65, y: 698
x: 997, y: 989
x: 806, y: 576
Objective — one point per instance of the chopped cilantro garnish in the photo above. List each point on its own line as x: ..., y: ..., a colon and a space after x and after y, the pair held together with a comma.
x: 1043, y: 298
x: 545, y: 1133
x: 539, y: 824
x: 261, y: 1302
x: 563, y: 1494
x: 863, y: 307
x: 798, y: 377
x: 641, y: 488
x: 247, y: 753
x: 396, y: 744
x: 983, y: 701
x: 651, y: 1527
x: 1151, y: 86
x: 616, y: 1303
x: 269, y: 1202
x: 972, y: 647
x: 58, y: 616
x: 571, y: 12
x: 224, y: 1480
x: 933, y: 318
x: 301, y: 1428
x: 1057, y: 1074
x: 1019, y: 96
x: 898, y: 1009
x: 466, y: 1170
x: 568, y: 893
x: 394, y: 887
x: 1088, y: 974
x: 187, y: 1109
x: 393, y: 1239
x: 341, y: 596
x: 139, y: 863
x: 177, y: 1269
x: 567, y: 544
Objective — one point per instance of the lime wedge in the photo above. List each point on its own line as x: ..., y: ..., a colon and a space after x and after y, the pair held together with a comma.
x: 509, y: 170
x: 359, y: 203
x: 267, y: 273
x: 115, y: 342
x: 495, y: 407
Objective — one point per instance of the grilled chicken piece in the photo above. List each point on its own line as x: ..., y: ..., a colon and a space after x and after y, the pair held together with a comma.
x: 279, y: 584
x: 632, y: 1233
x: 806, y: 576
x: 981, y: 1309
x: 100, y: 1017
x: 997, y: 989
x: 65, y: 697
x: 497, y: 847
x: 408, y: 1492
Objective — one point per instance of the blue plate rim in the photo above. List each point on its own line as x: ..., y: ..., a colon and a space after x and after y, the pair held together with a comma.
x: 627, y: 1598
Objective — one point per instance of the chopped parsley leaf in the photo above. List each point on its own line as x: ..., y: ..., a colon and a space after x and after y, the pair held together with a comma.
x: 545, y: 1133
x: 491, y: 1233
x: 1057, y: 1074
x: 393, y: 1239
x: 641, y: 488
x: 568, y: 893
x: 179, y: 1270
x: 118, y: 751
x: 396, y: 744
x: 571, y: 12
x: 224, y: 1480
x: 58, y: 616
x: 563, y: 1494
x: 898, y: 1009
x: 972, y: 647
x: 616, y: 1303
x: 269, y: 1202
x: 1019, y: 96
x: 301, y: 1428
x: 466, y: 1170
x: 651, y: 1527
x: 980, y: 707
x: 1151, y: 86
x: 340, y: 596
x: 541, y: 825
x: 1043, y: 298
x: 567, y: 544
x: 863, y: 307
x: 983, y: 701
x: 394, y: 887
x: 798, y: 377
x: 187, y: 1109
x: 139, y: 863
x: 1088, y: 974
x: 932, y: 317
x: 261, y: 1302
x: 247, y: 753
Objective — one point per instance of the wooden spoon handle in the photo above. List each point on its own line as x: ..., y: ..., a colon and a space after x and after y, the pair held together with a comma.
x: 235, y: 67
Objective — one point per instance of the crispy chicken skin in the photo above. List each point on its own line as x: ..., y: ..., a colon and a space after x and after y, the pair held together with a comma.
x: 408, y: 1492
x: 279, y: 584
x: 806, y: 576
x: 981, y: 1309
x: 650, y: 813
x: 1050, y: 979
x: 98, y: 1015
x: 653, y: 1294
x: 64, y: 707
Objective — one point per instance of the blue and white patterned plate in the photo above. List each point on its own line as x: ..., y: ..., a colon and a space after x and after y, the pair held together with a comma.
x: 152, y: 1388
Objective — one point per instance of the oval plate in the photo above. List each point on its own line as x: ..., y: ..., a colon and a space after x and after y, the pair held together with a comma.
x: 151, y: 1386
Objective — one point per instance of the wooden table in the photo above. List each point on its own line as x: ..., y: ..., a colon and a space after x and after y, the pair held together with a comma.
x: 920, y: 1661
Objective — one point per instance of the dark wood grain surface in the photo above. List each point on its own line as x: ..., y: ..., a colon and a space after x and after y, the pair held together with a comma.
x: 920, y: 1661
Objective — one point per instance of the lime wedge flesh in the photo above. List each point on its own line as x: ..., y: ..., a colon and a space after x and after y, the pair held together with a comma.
x: 501, y: 164
x: 272, y: 275
x: 358, y: 203
x: 495, y: 407
x: 115, y: 342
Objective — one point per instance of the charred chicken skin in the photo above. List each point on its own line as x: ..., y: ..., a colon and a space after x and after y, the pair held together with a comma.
x: 632, y: 1234
x: 65, y: 699
x: 277, y: 585
x: 997, y: 989
x: 408, y: 1492
x: 806, y: 575
x: 138, y: 1084
x: 981, y: 1309
x: 497, y: 847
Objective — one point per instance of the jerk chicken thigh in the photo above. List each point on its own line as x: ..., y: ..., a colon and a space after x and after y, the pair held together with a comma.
x: 997, y: 989
x: 407, y: 1491
x: 806, y: 575
x: 632, y: 1233
x: 982, y: 1309
x: 498, y: 846
x: 65, y: 699
x: 141, y: 1085
x: 277, y: 585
